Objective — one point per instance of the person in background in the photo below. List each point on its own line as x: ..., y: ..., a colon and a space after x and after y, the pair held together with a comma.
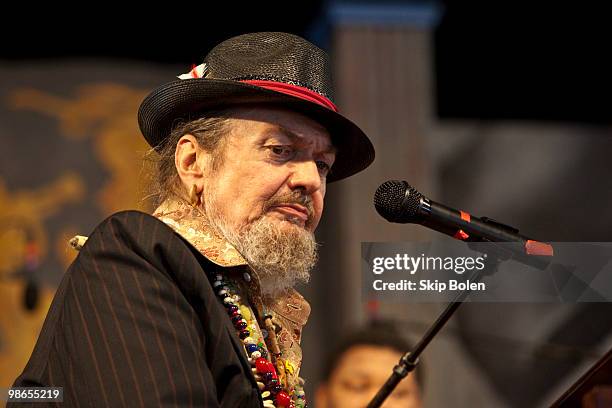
x: 362, y: 363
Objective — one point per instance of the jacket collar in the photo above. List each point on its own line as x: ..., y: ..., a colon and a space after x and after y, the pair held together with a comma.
x: 192, y: 224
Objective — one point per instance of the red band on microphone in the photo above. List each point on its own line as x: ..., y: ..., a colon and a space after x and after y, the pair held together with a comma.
x: 538, y: 248
x: 461, y: 235
x: 294, y: 90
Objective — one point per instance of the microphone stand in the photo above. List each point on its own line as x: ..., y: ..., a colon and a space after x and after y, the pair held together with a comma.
x: 410, y: 360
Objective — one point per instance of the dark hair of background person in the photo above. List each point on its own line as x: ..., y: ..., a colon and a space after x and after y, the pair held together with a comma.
x: 379, y: 333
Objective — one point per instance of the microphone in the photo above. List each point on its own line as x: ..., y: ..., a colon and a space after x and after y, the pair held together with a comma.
x: 397, y: 201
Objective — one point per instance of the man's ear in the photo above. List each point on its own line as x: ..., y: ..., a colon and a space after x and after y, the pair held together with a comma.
x: 189, y: 162
x: 321, y: 397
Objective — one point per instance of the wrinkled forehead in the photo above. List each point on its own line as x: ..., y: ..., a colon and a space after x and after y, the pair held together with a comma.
x: 293, y: 125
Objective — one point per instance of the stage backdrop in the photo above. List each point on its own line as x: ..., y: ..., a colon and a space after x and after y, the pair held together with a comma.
x: 70, y: 155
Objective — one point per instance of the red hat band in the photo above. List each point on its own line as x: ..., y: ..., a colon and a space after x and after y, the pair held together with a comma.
x: 294, y: 90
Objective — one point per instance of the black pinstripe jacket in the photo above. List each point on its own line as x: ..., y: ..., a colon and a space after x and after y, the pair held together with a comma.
x: 135, y: 322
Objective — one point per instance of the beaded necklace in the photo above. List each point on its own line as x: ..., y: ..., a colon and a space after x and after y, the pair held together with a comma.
x: 268, y: 368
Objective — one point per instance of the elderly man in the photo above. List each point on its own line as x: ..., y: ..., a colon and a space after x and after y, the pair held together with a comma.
x: 195, y: 306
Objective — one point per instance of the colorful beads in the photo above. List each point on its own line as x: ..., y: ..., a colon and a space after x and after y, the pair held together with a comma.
x: 246, y: 312
x: 263, y: 366
x: 265, y: 372
x: 289, y: 367
x: 282, y: 399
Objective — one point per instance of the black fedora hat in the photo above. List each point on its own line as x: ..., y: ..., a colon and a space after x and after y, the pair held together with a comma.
x: 263, y: 68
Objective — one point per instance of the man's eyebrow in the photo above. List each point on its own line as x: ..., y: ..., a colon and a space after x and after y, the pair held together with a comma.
x: 329, y: 149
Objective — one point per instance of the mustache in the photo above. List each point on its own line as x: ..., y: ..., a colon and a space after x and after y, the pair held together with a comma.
x: 294, y: 197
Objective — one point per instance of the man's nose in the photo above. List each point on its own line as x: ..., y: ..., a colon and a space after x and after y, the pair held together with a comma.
x: 305, y: 176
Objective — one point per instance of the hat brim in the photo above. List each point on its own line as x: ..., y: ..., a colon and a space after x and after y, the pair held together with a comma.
x: 189, y: 99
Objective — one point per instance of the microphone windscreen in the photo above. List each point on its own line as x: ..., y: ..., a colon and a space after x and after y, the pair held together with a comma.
x: 397, y: 201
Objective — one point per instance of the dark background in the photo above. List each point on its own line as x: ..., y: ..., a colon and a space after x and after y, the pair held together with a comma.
x: 498, y: 59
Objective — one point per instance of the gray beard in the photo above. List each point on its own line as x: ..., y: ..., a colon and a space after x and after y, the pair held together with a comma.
x: 282, y: 256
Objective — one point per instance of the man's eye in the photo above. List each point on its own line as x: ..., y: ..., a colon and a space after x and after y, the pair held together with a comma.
x: 283, y: 152
x: 400, y: 394
x: 355, y: 386
x: 323, y: 166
